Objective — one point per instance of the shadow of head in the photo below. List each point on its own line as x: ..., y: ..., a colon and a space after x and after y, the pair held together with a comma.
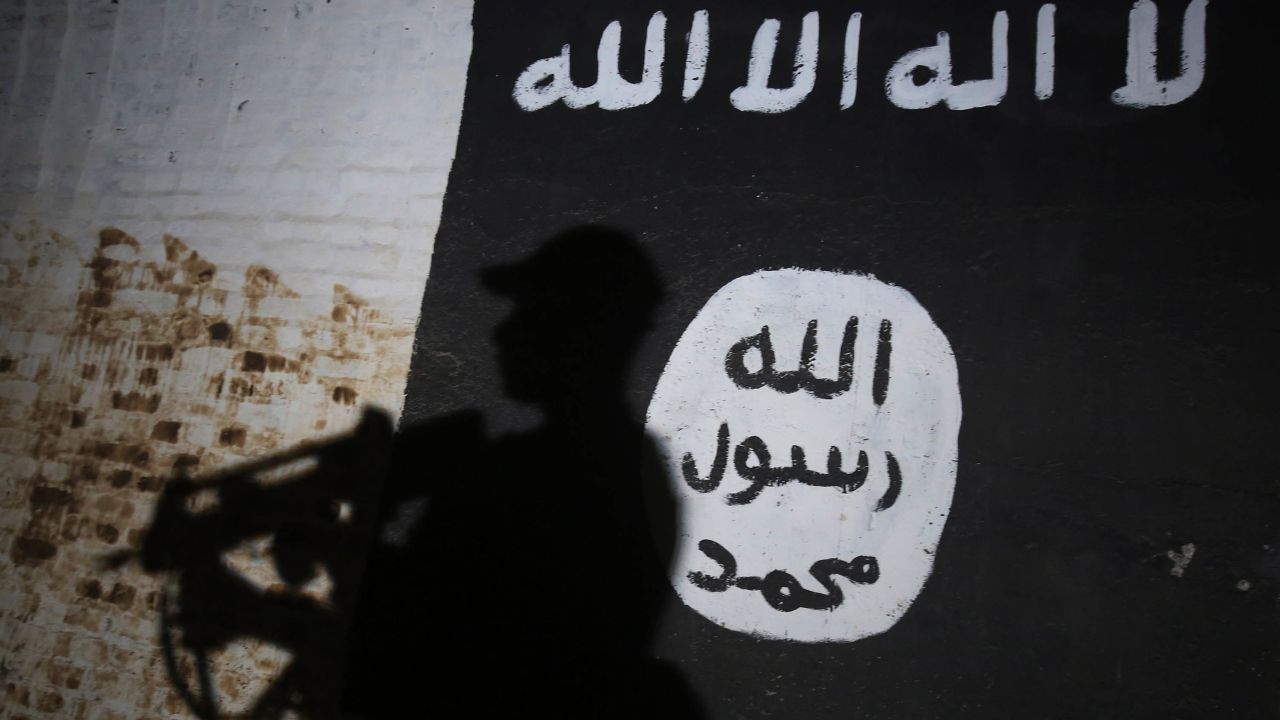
x: 537, y: 556
x: 583, y: 300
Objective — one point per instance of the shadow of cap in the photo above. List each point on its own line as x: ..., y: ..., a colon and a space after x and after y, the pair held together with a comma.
x: 591, y: 263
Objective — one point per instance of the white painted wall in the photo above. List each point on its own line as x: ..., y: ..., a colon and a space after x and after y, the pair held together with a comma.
x: 299, y: 149
x: 308, y: 134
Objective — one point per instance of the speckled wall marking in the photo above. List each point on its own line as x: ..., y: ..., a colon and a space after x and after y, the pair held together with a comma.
x: 153, y: 363
x: 217, y: 221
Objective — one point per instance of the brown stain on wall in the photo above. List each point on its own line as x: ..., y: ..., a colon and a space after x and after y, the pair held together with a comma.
x: 152, y: 363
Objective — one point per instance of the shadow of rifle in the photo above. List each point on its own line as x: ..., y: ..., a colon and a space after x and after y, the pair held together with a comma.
x: 315, y: 507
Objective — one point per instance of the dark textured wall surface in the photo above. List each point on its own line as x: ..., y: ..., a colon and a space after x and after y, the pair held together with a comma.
x: 1103, y: 276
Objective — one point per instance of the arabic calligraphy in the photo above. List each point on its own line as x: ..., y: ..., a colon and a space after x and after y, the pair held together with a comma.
x: 1142, y: 86
x: 547, y: 81
x: 756, y: 95
x: 754, y: 463
x: 880, y: 379
x: 803, y: 378
x: 780, y: 588
x: 752, y: 460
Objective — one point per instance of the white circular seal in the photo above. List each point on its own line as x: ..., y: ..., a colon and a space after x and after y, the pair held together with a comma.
x: 808, y: 421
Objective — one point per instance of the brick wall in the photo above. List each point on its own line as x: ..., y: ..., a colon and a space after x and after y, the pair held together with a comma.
x: 215, y: 225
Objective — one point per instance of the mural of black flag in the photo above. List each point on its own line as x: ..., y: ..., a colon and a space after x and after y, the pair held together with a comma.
x: 863, y: 214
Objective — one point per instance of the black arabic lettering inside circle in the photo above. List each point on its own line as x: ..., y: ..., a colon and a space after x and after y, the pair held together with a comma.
x: 781, y: 589
x: 753, y: 462
x: 804, y: 378
x: 751, y: 458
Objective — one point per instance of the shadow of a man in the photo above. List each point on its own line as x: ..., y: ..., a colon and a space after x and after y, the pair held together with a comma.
x: 526, y: 572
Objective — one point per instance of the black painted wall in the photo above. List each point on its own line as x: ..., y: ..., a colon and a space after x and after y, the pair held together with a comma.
x: 1103, y: 276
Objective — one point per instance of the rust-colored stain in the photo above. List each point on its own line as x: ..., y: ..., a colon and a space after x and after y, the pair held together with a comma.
x: 135, y: 402
x: 166, y: 431
x: 108, y: 533
x: 219, y: 331
x: 232, y: 437
x: 32, y: 551
x: 123, y: 363
x: 253, y: 362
